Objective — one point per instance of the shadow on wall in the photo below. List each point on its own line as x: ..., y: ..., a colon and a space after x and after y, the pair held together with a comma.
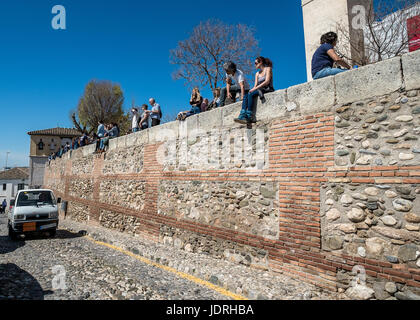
x: 17, y: 284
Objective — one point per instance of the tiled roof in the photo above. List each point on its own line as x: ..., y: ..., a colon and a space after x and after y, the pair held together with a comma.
x: 62, y: 132
x: 15, y: 174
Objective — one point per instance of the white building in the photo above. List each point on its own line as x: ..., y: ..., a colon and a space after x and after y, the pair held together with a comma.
x: 11, y: 181
x: 390, y: 35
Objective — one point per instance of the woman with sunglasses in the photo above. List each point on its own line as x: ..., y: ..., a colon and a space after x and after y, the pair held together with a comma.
x: 263, y: 84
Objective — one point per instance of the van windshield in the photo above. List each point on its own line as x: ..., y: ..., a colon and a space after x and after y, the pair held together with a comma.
x: 35, y: 198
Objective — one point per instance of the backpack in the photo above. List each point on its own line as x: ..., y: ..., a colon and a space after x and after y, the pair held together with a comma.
x: 160, y: 113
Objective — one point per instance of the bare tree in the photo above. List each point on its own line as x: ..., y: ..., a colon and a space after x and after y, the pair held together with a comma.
x: 102, y: 100
x: 212, y: 43
x: 384, y: 34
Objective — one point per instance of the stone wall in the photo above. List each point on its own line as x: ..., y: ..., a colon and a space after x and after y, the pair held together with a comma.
x: 325, y: 188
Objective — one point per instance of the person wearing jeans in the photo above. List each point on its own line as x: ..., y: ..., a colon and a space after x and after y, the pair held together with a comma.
x: 325, y: 56
x: 263, y: 84
x: 195, y: 102
x: 241, y: 85
x: 328, y: 71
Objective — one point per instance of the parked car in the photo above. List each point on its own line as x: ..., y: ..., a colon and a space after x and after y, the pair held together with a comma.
x: 33, y: 211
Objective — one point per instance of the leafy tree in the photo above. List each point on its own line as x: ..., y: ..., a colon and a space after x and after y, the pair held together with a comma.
x: 102, y: 100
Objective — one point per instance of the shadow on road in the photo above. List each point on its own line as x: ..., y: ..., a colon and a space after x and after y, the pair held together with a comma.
x: 17, y: 284
x: 61, y: 235
x: 7, y: 245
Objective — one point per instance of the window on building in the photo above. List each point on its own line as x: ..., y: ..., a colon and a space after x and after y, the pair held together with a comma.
x: 21, y: 186
x: 4, y: 187
x: 41, y: 145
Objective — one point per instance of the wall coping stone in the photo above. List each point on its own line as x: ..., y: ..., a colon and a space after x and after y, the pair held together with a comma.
x: 305, y: 99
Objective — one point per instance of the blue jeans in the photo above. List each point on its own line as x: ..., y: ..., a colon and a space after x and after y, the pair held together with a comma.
x: 135, y: 130
x: 328, y: 71
x: 193, y: 111
x: 248, y: 101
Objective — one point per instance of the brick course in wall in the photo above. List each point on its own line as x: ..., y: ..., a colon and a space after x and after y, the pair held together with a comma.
x: 304, y: 160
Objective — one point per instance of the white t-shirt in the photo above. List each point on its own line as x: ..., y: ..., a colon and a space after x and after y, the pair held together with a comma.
x: 136, y: 118
x: 155, y: 108
x: 239, y: 77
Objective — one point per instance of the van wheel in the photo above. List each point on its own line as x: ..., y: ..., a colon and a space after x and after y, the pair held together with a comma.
x: 12, y: 235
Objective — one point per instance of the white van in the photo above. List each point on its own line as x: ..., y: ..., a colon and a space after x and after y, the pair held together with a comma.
x: 33, y: 211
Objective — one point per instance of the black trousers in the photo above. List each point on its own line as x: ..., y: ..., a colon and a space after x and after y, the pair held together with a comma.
x: 155, y: 122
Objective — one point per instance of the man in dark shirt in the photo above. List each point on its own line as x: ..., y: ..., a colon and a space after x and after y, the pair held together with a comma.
x: 325, y: 56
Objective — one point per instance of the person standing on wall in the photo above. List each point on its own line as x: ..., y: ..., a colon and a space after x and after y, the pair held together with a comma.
x: 155, y: 113
x: 144, y: 121
x: 135, y: 120
x: 325, y: 56
x: 240, y: 84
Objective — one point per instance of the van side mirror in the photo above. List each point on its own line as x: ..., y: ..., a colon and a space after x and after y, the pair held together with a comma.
x: 59, y: 200
x: 12, y: 203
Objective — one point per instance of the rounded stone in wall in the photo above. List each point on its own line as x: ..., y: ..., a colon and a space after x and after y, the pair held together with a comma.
x: 333, y: 215
x: 412, y: 217
x: 334, y: 242
x: 372, y: 191
x: 408, y: 252
x: 375, y: 246
x: 402, y: 205
x: 389, y: 221
x: 356, y: 215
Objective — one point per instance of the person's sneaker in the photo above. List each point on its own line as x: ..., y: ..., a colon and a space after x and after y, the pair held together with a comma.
x: 253, y: 120
x: 241, y: 120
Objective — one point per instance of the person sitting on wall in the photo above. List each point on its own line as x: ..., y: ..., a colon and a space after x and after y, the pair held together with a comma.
x: 216, y: 101
x: 205, y: 105
x: 263, y: 84
x: 233, y: 75
x: 114, y: 132
x: 84, y: 139
x: 195, y: 102
x: 325, y: 56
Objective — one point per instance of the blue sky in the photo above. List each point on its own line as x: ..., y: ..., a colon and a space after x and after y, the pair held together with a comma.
x: 44, y: 71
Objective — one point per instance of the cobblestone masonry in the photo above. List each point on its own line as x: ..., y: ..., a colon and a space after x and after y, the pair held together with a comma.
x: 247, y: 207
x: 82, y: 166
x: 129, y: 160
x: 124, y: 193
x: 78, y: 212
x: 81, y: 188
x: 333, y: 195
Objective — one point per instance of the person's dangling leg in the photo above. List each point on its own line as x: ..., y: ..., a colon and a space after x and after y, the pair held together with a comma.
x: 243, y: 115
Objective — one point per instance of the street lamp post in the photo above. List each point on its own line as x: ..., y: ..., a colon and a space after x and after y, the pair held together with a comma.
x: 7, y: 157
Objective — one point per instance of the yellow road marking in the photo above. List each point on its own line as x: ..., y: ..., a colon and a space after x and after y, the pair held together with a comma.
x: 172, y: 270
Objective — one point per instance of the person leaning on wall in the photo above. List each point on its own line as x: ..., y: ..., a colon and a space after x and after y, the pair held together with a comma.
x: 325, y: 56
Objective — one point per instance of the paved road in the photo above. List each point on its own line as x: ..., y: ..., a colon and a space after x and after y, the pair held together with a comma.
x: 34, y: 267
